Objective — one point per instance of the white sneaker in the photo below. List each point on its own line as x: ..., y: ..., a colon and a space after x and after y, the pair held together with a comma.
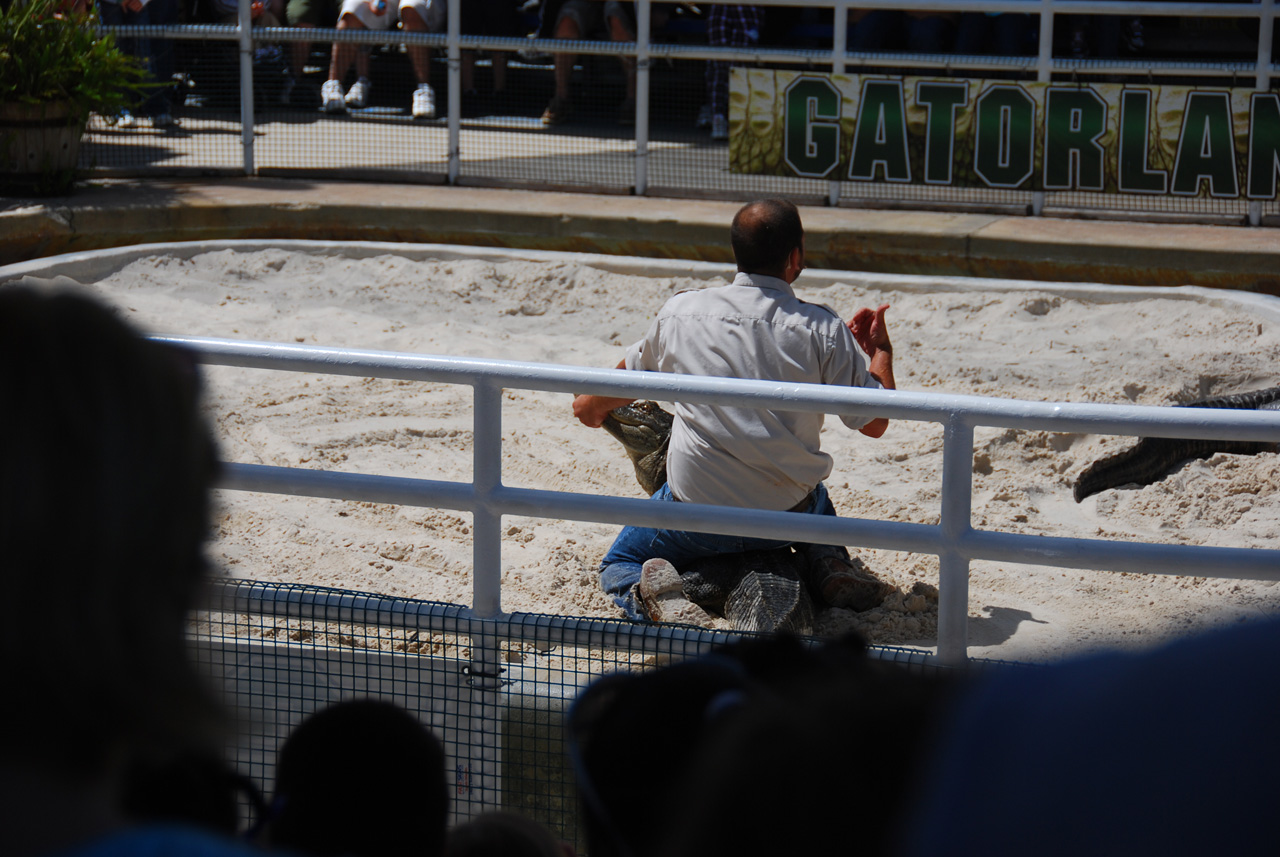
x: 126, y: 120
x: 358, y: 94
x: 331, y: 97
x: 424, y: 102
x: 719, y: 127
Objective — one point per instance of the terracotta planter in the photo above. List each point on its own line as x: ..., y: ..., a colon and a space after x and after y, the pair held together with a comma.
x: 39, y: 144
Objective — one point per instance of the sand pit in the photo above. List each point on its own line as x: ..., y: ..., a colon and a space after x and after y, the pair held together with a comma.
x: 1035, y: 343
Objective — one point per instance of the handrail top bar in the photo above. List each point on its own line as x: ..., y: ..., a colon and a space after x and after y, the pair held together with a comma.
x: 1151, y: 420
x: 1156, y: 8
x: 1065, y: 7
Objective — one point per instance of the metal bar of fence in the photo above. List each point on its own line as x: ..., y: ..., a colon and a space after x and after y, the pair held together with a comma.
x: 487, y: 513
x: 1096, y: 554
x: 894, y: 404
x: 953, y: 540
x: 246, y: 86
x: 955, y: 521
x: 316, y: 604
x: 455, y: 90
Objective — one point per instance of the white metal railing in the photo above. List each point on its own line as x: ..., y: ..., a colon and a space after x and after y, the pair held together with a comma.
x: 953, y: 539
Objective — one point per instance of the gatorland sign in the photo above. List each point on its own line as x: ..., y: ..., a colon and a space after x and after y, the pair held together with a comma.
x: 1102, y: 138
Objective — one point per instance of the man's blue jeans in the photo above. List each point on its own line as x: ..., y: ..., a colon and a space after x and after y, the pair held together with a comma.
x: 620, y: 568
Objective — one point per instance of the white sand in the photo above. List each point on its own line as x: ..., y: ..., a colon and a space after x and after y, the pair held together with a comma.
x: 1029, y: 345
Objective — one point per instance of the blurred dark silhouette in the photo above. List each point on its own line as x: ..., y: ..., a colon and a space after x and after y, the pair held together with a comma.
x: 504, y: 834
x: 105, y: 466
x: 362, y: 778
x: 765, y: 747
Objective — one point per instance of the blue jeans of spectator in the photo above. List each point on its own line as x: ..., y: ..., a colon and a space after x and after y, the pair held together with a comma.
x: 157, y: 53
x: 620, y: 568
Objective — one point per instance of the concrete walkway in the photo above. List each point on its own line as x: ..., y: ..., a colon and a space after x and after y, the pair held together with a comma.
x: 115, y: 213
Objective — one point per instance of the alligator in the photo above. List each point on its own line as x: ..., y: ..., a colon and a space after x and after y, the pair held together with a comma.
x: 644, y: 430
x: 1153, y: 458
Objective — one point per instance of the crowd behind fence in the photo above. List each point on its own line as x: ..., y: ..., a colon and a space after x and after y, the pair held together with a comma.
x: 244, y: 109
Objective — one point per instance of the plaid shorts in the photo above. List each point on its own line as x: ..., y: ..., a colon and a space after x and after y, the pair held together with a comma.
x: 734, y: 26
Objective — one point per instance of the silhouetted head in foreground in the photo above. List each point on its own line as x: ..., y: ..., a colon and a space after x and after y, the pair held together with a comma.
x: 767, y: 746
x: 105, y: 471
x: 105, y: 468
x: 363, y: 778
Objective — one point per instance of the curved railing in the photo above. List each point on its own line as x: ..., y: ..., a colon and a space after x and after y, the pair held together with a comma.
x: 953, y: 539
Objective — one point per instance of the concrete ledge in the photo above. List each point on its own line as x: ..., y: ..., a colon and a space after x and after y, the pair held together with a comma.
x: 119, y: 213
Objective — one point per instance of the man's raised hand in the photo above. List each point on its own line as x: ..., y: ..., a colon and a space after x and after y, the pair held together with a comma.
x: 870, y: 331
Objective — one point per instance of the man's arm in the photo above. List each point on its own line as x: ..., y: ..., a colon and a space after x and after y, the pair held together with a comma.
x: 872, y: 334
x: 591, y: 410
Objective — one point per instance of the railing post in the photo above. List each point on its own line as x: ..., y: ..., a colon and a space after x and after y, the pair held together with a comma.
x: 839, y: 45
x: 454, y: 89
x: 486, y: 524
x: 642, y: 97
x: 245, y: 22
x: 953, y: 570
x: 1266, y: 21
x: 1044, y: 73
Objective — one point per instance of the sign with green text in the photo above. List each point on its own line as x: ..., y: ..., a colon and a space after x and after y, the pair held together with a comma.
x: 1102, y: 138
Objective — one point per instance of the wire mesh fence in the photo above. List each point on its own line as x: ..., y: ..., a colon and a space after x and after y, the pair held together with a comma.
x: 495, y: 692
x: 534, y: 109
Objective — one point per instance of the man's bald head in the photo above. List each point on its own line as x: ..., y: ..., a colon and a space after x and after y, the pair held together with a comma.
x: 763, y: 235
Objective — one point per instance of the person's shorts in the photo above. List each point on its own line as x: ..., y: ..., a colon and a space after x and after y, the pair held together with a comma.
x: 430, y: 11
x: 591, y: 15
x: 313, y: 13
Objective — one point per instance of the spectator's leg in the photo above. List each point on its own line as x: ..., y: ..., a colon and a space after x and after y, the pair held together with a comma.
x: 735, y: 26
x: 567, y: 27
x: 308, y: 15
x: 159, y: 104
x: 468, y: 72
x: 417, y: 16
x: 499, y: 60
x: 341, y: 57
x: 344, y: 53
x: 299, y: 51
x: 419, y: 56
x: 114, y: 15
x: 715, y: 69
x: 622, y: 29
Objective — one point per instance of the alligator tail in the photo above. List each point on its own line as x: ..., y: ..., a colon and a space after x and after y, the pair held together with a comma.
x: 1153, y: 457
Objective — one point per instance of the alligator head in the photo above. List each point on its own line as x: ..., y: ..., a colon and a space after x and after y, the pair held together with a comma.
x: 643, y: 429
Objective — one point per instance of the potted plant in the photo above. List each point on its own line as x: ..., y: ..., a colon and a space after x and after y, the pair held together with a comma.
x: 55, y: 69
